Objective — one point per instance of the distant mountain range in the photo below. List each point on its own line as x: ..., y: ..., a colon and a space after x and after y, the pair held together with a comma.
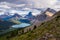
x: 8, y: 20
x: 30, y: 16
x: 6, y: 17
x: 3, y: 16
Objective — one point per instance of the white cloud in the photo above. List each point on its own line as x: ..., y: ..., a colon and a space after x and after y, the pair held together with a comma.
x: 18, y: 12
x: 5, y: 6
x: 10, y: 5
x: 36, y: 12
x: 41, y: 3
x: 20, y: 5
x: 55, y: 4
x: 26, y: 9
x: 33, y: 4
x: 1, y: 13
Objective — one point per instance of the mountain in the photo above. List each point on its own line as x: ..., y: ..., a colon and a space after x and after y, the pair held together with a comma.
x: 30, y: 16
x: 51, y: 10
x: 5, y: 24
x: 41, y: 17
x: 15, y: 21
x: 24, y: 21
x: 3, y: 16
x: 45, y: 15
x: 49, y: 30
x: 15, y: 17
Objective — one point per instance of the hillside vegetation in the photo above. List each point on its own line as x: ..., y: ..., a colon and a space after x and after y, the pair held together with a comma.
x: 49, y: 30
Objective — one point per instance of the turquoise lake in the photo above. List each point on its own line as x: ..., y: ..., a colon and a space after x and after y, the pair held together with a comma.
x: 22, y: 25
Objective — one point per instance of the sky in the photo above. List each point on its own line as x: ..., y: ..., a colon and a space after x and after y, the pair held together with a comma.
x: 9, y: 4
x: 34, y: 3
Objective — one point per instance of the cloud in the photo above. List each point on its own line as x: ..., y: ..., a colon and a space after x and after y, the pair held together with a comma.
x: 14, y: 1
x: 10, y: 5
x: 20, y: 5
x: 5, y: 6
x: 41, y: 3
x: 55, y: 4
x: 33, y: 3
